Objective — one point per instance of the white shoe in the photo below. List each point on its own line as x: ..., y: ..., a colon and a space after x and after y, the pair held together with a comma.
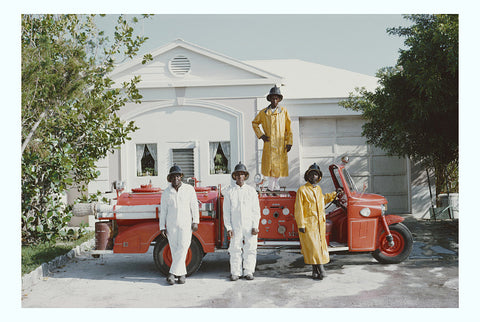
x: 171, y: 279
x: 249, y: 277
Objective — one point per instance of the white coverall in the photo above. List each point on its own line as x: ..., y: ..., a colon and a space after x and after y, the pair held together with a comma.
x: 178, y: 210
x: 241, y: 213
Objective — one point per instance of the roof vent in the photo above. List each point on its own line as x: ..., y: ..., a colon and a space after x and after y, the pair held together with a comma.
x: 179, y: 66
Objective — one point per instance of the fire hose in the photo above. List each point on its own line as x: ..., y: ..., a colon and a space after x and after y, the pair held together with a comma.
x: 104, y: 211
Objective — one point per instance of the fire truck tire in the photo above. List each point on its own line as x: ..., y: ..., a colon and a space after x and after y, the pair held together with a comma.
x: 162, y: 256
x: 403, y: 240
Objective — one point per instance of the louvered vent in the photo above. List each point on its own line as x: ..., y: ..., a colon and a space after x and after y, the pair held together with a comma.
x: 179, y: 66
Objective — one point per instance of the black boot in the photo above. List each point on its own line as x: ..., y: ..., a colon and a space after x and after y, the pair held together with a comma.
x: 314, y: 272
x: 318, y: 271
x: 323, y: 273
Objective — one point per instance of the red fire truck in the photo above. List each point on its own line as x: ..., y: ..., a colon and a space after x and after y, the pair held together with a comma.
x: 358, y: 223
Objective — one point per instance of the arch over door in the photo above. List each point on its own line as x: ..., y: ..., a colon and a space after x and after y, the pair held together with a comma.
x: 184, y: 127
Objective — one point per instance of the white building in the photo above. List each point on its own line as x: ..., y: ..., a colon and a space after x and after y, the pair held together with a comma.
x: 195, y: 101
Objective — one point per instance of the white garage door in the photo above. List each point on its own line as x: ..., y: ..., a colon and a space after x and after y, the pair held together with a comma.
x: 326, y: 140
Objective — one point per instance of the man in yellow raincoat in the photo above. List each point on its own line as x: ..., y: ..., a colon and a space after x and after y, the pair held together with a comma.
x: 310, y: 218
x: 277, y: 138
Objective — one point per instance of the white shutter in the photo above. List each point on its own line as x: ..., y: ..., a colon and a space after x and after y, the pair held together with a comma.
x: 184, y: 158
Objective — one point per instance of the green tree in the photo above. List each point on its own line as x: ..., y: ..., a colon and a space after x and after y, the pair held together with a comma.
x: 414, y: 111
x: 69, y: 111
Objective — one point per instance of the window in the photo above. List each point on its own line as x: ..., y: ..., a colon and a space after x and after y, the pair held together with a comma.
x: 219, y: 157
x: 147, y: 160
x: 184, y: 158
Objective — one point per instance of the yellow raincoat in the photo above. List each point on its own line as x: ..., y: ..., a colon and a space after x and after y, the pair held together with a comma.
x: 276, y: 126
x: 310, y: 214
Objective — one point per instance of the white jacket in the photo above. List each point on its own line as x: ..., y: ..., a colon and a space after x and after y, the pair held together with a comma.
x: 241, y: 208
x: 179, y: 208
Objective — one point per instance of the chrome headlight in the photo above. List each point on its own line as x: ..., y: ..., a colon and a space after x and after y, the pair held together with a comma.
x: 384, y: 209
x: 365, y: 212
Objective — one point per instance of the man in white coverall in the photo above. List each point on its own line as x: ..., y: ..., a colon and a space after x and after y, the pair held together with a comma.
x: 241, y: 215
x: 179, y: 216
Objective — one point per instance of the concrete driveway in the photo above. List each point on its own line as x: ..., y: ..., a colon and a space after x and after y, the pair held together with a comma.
x: 428, y: 279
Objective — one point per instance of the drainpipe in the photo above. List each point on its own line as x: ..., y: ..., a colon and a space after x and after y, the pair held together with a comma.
x: 257, y: 161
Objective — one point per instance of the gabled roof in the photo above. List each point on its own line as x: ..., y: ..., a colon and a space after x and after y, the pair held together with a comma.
x: 301, y: 79
x: 208, y: 68
x: 305, y: 80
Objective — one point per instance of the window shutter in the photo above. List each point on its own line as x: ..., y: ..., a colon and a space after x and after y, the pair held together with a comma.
x: 185, y: 160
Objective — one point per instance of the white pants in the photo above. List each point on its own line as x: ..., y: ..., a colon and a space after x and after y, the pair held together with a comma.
x: 273, y: 183
x: 243, y: 252
x: 179, y: 239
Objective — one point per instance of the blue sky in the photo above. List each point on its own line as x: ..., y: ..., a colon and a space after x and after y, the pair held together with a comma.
x: 356, y: 42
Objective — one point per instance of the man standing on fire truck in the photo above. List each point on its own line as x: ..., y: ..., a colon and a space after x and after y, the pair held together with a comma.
x: 241, y: 216
x: 310, y: 218
x: 179, y: 216
x: 277, y: 137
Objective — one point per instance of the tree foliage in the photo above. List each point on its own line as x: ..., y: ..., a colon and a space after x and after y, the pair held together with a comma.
x: 414, y: 111
x: 69, y: 111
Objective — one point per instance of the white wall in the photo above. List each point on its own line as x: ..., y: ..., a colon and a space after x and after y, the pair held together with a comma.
x: 180, y: 127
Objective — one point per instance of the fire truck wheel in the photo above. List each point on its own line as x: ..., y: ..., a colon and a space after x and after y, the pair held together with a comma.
x: 163, y: 257
x: 403, y: 240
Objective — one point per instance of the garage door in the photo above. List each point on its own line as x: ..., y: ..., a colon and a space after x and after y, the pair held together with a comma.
x: 326, y: 140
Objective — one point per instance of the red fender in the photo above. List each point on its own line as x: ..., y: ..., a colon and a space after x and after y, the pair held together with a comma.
x: 393, y: 219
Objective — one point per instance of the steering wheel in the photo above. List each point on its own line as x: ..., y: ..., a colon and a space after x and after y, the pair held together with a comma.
x: 340, y: 200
